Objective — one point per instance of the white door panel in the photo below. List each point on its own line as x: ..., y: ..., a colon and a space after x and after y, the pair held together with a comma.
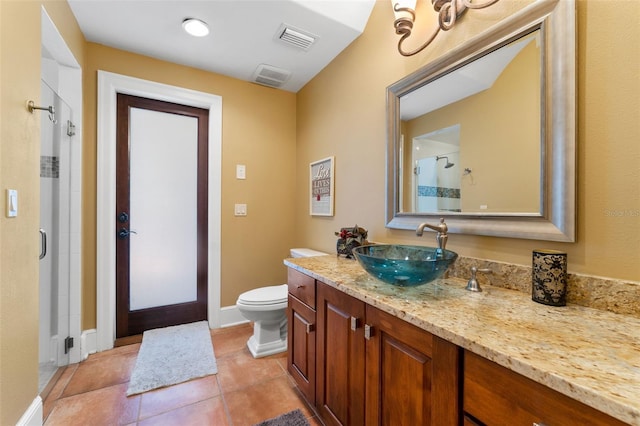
x: 163, y: 208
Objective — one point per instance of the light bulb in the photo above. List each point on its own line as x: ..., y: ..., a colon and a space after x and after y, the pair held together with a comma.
x: 195, y: 27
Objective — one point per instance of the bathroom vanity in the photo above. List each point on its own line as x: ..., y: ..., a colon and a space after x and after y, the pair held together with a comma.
x: 366, y: 352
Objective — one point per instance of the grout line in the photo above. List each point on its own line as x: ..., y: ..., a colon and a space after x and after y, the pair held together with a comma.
x: 224, y: 402
x: 139, y: 409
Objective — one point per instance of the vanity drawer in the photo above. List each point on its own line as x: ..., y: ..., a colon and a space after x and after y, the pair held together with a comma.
x: 303, y: 287
x: 496, y: 395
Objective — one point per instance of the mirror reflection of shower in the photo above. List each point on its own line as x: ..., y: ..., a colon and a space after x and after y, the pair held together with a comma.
x: 448, y: 164
x: 436, y: 182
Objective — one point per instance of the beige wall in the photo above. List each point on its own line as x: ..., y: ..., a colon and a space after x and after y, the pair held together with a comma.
x: 258, y: 130
x: 342, y: 113
x: 20, y: 169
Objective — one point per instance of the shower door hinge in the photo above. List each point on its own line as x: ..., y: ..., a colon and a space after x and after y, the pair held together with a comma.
x: 71, y: 128
x: 68, y: 344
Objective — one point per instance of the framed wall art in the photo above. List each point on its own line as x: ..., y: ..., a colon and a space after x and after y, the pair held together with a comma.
x: 322, y: 187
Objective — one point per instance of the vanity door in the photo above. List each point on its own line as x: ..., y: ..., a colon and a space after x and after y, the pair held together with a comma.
x: 412, y: 375
x: 340, y: 371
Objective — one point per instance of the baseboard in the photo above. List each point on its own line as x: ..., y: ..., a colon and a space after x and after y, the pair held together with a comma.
x: 230, y: 315
x: 88, y: 343
x: 33, y: 415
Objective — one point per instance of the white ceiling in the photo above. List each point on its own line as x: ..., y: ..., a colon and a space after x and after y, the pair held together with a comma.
x: 243, y: 32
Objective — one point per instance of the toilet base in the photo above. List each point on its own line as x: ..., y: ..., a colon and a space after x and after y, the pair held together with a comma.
x: 268, y: 338
x: 259, y: 350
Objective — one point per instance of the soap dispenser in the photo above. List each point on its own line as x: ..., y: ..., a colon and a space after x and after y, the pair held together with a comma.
x: 473, y: 284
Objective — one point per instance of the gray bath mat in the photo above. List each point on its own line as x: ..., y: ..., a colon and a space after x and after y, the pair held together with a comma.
x: 173, y: 355
x: 292, y: 418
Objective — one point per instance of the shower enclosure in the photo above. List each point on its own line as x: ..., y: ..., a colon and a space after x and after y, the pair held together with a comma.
x: 437, y: 183
x: 55, y: 180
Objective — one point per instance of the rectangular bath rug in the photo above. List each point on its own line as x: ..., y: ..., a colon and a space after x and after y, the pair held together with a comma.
x: 173, y: 355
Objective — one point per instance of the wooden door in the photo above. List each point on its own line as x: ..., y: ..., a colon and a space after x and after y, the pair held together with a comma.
x: 161, y: 214
x: 412, y: 375
x: 340, y: 368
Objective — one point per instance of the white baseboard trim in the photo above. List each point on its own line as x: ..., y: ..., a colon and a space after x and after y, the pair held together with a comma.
x: 88, y: 343
x: 230, y: 316
x: 34, y: 414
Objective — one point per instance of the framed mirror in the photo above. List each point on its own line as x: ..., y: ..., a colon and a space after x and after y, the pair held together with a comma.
x: 485, y: 136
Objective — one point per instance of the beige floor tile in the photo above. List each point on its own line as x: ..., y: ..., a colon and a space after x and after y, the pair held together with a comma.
x: 207, y: 412
x: 58, y: 388
x: 242, y: 370
x: 230, y: 340
x: 101, y: 372
x: 107, y: 406
x: 264, y: 401
x: 166, y: 399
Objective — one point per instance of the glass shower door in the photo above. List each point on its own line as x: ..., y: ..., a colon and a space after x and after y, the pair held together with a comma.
x: 55, y: 157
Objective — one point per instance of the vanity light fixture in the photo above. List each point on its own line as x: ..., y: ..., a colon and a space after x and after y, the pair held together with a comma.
x: 448, y: 13
x: 195, y: 27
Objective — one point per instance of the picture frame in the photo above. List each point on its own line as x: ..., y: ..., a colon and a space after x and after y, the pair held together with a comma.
x: 322, y: 187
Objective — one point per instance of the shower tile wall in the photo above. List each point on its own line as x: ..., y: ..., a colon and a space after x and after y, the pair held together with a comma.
x: 49, y: 167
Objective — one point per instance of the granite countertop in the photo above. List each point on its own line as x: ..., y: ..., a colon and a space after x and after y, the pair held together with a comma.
x: 590, y: 355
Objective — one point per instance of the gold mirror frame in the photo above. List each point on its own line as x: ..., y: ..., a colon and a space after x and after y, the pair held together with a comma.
x: 557, y: 221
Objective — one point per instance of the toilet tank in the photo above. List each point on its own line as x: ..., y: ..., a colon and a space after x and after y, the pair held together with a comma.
x: 305, y: 252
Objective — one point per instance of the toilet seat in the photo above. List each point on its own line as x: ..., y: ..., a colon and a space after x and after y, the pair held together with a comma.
x: 264, y: 296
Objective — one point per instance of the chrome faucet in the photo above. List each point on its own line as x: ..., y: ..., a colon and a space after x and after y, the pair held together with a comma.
x: 441, y: 236
x: 473, y: 284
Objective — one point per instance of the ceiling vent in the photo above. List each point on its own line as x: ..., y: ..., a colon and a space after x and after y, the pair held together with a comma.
x: 295, y: 37
x: 268, y: 75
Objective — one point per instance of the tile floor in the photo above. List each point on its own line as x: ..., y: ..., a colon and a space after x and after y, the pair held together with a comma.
x: 244, y: 392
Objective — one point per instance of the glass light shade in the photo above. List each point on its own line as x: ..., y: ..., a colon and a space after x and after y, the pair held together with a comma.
x: 195, y: 27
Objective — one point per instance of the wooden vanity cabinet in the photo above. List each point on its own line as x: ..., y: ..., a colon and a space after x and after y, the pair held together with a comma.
x: 375, y: 369
x: 301, y: 332
x: 495, y: 395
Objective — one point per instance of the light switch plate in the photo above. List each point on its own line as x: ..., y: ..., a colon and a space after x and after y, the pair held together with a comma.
x: 241, y: 171
x: 240, y: 209
x: 12, y: 202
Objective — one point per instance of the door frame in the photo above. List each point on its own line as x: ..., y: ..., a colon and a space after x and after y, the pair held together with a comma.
x: 109, y: 84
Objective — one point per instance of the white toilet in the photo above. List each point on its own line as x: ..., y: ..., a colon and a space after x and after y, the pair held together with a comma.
x: 267, y: 308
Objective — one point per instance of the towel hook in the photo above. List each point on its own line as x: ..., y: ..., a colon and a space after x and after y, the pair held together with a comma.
x: 52, y: 112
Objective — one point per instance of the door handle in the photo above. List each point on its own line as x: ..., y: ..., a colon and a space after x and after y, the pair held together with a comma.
x: 43, y: 243
x: 124, y: 233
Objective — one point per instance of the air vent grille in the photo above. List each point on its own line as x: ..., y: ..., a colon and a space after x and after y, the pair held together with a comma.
x: 295, y: 37
x: 271, y: 76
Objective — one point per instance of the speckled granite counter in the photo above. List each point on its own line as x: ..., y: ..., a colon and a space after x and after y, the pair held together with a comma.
x: 590, y: 355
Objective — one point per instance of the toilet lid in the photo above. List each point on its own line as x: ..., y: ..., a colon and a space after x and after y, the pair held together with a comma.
x: 265, y: 295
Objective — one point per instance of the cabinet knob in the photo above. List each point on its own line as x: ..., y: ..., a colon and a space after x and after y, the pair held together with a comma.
x: 539, y: 424
x: 368, y: 331
x: 354, y: 323
x: 311, y: 328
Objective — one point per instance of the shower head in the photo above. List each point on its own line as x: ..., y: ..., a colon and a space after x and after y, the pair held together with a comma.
x: 448, y: 165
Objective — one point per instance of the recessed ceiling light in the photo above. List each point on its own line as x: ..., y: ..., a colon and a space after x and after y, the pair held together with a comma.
x: 195, y: 27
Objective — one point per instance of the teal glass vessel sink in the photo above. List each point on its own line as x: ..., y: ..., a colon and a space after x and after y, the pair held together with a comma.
x: 404, y: 265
